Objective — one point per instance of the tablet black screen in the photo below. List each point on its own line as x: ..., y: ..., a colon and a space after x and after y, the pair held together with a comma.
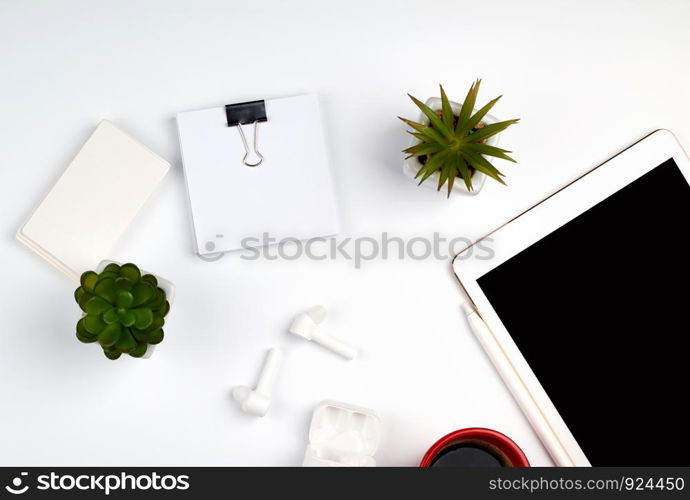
x: 600, y: 310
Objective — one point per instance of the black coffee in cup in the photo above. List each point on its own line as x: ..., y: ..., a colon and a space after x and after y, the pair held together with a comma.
x: 471, y: 453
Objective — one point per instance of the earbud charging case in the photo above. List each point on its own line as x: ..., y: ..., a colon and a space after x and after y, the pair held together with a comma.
x: 342, y: 435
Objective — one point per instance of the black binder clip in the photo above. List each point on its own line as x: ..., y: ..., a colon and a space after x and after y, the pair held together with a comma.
x: 244, y: 113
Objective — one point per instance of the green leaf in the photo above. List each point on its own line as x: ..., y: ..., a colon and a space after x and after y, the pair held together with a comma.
x: 468, y: 105
x: 433, y: 165
x: 446, y: 109
x: 419, y: 127
x: 124, y: 284
x: 476, y: 118
x: 451, y: 181
x: 423, y: 149
x: 142, y: 293
x: 93, y: 324
x: 158, y: 300
x: 139, y: 350
x: 127, y: 318
x: 112, y: 268
x: 149, y: 333
x: 453, y: 165
x: 139, y: 335
x: 477, y: 160
x: 488, y: 150
x: 490, y: 130
x: 434, y: 120
x: 418, y: 135
x: 422, y: 169
x: 111, y: 316
x: 81, y: 327
x: 126, y: 342
x: 150, y: 279
x: 465, y: 173
x: 88, y: 280
x: 152, y: 337
x: 112, y: 353
x: 97, y: 305
x: 86, y: 339
x: 131, y: 272
x: 85, y: 297
x: 110, y: 334
x: 142, y: 318
x: 109, y: 274
x: 164, y: 309
x: 443, y: 175
x: 426, y: 130
x: 83, y: 335
x: 125, y: 299
x: 157, y: 323
x: 425, y: 173
x: 79, y: 293
x: 482, y: 164
x: 156, y: 337
x: 107, y: 290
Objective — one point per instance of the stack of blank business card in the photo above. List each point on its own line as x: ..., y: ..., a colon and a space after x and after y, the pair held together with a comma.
x: 84, y: 214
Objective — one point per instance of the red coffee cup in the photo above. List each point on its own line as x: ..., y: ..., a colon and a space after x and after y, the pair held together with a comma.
x: 500, y: 446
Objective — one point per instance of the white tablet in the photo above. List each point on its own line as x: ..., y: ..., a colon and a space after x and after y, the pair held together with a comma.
x: 586, y: 303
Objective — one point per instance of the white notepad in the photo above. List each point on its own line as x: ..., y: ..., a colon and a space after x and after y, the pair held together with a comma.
x: 289, y: 195
x: 87, y: 210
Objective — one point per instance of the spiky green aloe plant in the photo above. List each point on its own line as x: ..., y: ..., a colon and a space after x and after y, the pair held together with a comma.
x: 455, y: 145
x: 124, y: 310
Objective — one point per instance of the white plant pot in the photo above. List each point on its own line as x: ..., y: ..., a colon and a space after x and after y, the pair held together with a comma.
x: 412, y: 165
x: 167, y: 286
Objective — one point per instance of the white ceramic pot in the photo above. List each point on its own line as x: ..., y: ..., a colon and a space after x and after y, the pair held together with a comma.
x: 163, y: 284
x: 412, y: 165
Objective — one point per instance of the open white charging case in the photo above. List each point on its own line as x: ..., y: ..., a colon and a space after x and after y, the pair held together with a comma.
x: 342, y: 435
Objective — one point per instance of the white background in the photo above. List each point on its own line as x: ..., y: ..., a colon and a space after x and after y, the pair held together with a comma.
x: 587, y: 78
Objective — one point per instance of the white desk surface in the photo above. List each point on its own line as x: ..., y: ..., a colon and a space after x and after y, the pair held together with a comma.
x: 587, y: 79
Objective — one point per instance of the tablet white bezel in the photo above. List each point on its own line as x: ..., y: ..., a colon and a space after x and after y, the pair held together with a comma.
x: 529, y: 227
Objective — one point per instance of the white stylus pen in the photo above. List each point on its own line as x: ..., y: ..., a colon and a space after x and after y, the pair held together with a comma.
x: 511, y: 378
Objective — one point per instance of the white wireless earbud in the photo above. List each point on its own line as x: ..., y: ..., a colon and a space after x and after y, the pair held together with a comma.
x: 256, y: 402
x: 306, y: 325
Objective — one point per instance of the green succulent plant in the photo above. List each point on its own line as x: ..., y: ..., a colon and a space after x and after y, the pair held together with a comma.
x: 124, y: 310
x: 455, y: 145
